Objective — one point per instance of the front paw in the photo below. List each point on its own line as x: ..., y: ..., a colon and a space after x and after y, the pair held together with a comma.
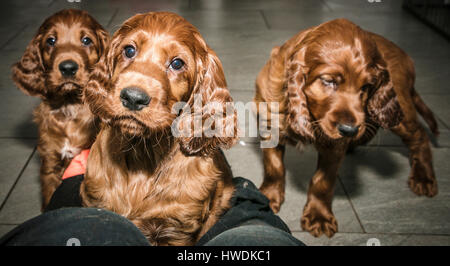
x: 275, y: 193
x: 422, y: 183
x: 318, y: 222
x: 423, y: 186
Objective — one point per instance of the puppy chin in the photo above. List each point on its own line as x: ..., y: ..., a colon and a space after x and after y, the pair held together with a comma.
x: 331, y: 134
x: 69, y: 86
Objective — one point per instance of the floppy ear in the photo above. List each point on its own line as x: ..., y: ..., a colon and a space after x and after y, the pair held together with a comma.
x: 103, y: 39
x: 28, y: 73
x: 383, y: 107
x: 298, y: 117
x: 213, y: 110
x: 95, y: 93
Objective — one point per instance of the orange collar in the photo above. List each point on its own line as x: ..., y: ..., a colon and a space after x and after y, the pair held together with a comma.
x: 77, y: 166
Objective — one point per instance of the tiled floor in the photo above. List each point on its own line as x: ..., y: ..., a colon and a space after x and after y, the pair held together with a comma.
x: 372, y: 198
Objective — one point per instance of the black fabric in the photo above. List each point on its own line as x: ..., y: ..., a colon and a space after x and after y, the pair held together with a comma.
x: 67, y: 194
x: 248, y: 206
x: 76, y: 226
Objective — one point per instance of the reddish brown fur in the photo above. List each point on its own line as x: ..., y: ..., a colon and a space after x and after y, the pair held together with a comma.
x: 66, y: 126
x: 298, y: 76
x: 173, y: 189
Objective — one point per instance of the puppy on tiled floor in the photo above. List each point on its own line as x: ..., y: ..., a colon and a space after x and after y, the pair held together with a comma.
x: 55, y: 67
x: 336, y: 84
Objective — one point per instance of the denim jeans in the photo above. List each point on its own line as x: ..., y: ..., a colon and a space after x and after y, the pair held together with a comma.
x: 98, y: 227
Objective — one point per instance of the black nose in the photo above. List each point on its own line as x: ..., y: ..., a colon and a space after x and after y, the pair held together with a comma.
x: 134, y: 98
x: 347, y: 130
x: 68, y: 68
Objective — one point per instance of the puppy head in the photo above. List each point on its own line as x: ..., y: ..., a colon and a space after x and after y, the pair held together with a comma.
x: 340, y: 81
x: 58, y: 59
x: 154, y: 61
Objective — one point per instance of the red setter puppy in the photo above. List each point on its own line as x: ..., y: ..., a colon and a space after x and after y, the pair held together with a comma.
x: 172, y: 188
x: 55, y: 67
x: 336, y: 84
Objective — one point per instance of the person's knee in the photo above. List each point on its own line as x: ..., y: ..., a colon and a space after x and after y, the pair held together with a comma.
x: 254, y: 235
x: 76, y: 226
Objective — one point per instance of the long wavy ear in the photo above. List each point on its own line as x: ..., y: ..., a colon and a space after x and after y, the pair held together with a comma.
x: 103, y: 39
x: 28, y: 73
x: 95, y: 93
x: 298, y: 117
x: 383, y: 107
x: 213, y: 118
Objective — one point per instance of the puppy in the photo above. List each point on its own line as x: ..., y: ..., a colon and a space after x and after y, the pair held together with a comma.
x: 55, y: 67
x: 336, y: 84
x: 172, y: 186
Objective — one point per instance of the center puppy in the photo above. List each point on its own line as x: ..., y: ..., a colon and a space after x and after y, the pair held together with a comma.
x: 173, y: 188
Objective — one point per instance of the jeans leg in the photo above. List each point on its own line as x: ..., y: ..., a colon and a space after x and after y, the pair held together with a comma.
x: 254, y: 235
x: 76, y: 226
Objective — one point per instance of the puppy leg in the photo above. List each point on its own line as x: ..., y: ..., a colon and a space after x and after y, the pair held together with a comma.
x: 50, y: 175
x: 318, y: 217
x: 274, y: 176
x: 422, y: 180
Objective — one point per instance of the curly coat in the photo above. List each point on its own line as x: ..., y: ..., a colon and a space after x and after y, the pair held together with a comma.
x: 172, y: 188
x: 332, y: 75
x: 66, y: 125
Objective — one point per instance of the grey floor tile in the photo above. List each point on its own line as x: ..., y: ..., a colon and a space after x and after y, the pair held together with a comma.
x: 21, y: 40
x: 256, y: 5
x: 440, y: 106
x: 358, y: 239
x: 300, y: 167
x: 16, y: 108
x: 10, y: 32
x: 376, y: 180
x: 241, y: 20
x: 24, y: 201
x: 431, y: 75
x: 5, y: 228
x: 16, y: 115
x: 14, y: 153
x: 385, y: 137
x: 352, y: 5
x: 244, y: 53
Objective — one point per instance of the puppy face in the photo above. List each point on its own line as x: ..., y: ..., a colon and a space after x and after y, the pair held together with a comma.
x: 154, y: 61
x: 339, y: 84
x: 154, y: 66
x: 58, y: 59
x: 341, y: 77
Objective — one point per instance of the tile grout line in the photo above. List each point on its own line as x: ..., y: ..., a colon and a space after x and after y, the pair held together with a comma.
x: 264, y: 18
x: 442, y: 121
x: 351, y: 205
x: 51, y: 3
x: 13, y: 37
x: 326, y: 5
x: 112, y: 18
x: 17, y: 179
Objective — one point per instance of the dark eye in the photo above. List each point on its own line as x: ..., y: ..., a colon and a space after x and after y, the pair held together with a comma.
x: 51, y: 41
x: 86, y: 41
x: 177, y: 64
x: 129, y: 51
x: 329, y: 83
